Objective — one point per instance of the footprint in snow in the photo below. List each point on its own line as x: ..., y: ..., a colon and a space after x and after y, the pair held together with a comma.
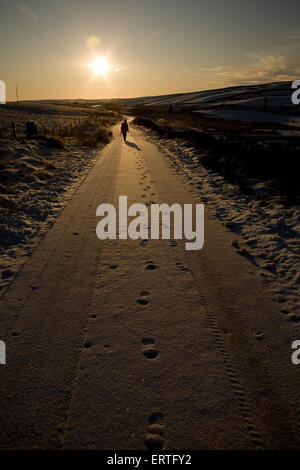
x: 149, y: 350
x: 151, y: 265
x: 155, y: 432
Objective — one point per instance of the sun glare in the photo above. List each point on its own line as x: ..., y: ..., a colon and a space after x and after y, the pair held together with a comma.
x: 100, y: 66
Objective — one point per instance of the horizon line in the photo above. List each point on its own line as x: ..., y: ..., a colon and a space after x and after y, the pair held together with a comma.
x: 151, y: 96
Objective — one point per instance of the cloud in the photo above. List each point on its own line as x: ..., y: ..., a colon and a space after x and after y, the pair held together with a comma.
x: 294, y: 36
x: 28, y: 12
x: 219, y: 68
x: 267, y: 68
x: 92, y: 42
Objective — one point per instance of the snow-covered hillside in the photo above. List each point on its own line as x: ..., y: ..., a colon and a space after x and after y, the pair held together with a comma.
x: 277, y: 94
x: 257, y: 103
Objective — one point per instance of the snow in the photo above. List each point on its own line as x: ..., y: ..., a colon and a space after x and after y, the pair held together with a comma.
x: 251, y: 116
x: 244, y: 103
x: 276, y: 93
x: 266, y: 233
x: 108, y: 353
x: 36, y: 184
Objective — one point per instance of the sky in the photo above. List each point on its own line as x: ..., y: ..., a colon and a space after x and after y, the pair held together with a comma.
x: 93, y: 49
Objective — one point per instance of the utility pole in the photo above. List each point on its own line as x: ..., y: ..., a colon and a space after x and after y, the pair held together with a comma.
x: 17, y: 95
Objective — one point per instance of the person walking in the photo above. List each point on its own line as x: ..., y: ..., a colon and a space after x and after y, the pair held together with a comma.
x: 124, y: 129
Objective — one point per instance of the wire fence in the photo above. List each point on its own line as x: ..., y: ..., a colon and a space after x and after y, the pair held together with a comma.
x: 61, y: 127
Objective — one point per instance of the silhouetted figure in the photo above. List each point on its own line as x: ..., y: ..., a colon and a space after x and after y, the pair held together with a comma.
x: 31, y: 129
x: 124, y: 129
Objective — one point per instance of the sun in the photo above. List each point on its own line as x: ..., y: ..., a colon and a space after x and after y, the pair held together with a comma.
x: 100, y: 66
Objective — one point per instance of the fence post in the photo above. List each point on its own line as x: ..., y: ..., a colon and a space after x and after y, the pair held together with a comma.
x: 13, y: 128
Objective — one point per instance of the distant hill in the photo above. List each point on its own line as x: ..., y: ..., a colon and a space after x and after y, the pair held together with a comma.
x: 270, y: 102
x: 278, y: 94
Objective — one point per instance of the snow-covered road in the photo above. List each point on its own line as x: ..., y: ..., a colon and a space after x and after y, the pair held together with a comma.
x: 134, y: 344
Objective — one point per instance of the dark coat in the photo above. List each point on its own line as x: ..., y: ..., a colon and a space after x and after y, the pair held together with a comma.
x: 124, y: 127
